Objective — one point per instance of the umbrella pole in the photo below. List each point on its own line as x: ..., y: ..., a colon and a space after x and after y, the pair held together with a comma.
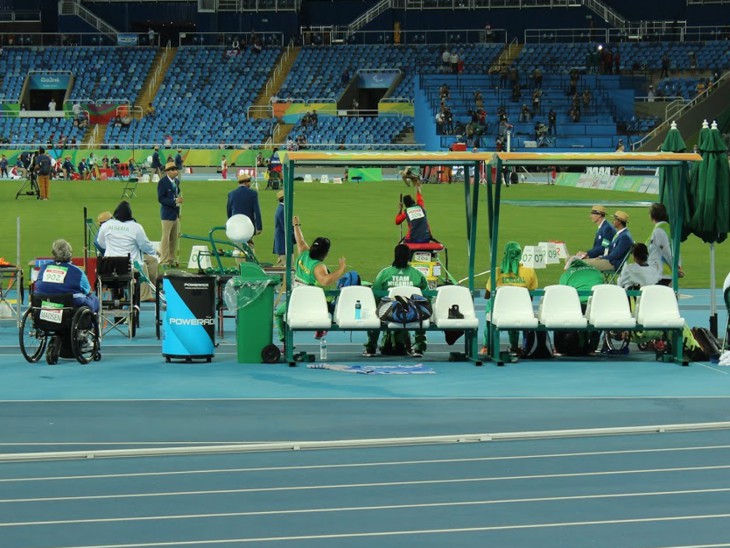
x: 713, y: 305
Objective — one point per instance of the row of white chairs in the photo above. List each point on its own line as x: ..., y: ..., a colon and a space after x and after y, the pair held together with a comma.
x: 308, y: 311
x: 608, y: 308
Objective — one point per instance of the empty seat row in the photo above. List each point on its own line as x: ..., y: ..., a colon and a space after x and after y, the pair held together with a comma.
x: 608, y: 307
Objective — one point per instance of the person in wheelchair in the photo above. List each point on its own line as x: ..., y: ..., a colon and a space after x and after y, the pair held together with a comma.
x: 61, y: 277
x: 640, y: 272
x: 123, y: 236
x: 419, y: 230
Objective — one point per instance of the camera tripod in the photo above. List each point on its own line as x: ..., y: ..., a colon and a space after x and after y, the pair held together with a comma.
x: 29, y: 187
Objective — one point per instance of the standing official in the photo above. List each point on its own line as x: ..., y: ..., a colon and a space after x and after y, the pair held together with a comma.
x: 245, y: 201
x: 168, y: 194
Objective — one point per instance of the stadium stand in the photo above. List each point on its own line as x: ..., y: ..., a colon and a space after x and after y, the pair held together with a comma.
x: 204, y: 98
x: 354, y: 131
x: 99, y: 73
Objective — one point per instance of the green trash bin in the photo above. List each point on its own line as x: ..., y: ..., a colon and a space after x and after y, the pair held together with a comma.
x: 255, y: 314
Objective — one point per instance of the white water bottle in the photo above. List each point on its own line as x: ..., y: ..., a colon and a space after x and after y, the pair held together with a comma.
x: 322, y: 349
x: 358, y: 310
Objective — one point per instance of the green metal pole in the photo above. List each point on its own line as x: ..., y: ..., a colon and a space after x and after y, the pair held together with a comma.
x: 676, y: 242
x: 494, y: 339
x: 472, y: 342
x: 289, y: 242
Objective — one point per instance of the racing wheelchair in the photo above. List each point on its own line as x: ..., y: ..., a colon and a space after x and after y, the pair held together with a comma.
x: 52, y: 324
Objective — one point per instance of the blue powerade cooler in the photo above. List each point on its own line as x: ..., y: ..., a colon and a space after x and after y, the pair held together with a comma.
x: 189, y: 322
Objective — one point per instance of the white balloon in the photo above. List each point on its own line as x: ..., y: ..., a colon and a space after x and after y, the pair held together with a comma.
x: 239, y: 228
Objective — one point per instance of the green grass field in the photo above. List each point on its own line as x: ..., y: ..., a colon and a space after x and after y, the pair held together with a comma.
x: 357, y: 218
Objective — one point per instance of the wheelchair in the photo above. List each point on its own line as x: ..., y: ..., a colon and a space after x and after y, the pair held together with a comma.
x: 52, y: 324
x: 117, y: 287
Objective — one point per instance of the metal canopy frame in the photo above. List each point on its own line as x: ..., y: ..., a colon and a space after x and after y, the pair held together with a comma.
x: 476, y: 160
x: 292, y: 160
x: 660, y: 159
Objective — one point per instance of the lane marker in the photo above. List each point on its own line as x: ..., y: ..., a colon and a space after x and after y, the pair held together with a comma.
x: 368, y: 464
x: 367, y: 485
x: 367, y: 508
x: 415, y: 532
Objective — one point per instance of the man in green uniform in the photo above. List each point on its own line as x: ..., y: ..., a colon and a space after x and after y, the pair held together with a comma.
x: 310, y: 270
x: 400, y: 273
x: 582, y: 277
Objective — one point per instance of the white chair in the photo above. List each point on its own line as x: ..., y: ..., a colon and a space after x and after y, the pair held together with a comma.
x: 406, y: 291
x: 560, y: 308
x: 657, y: 308
x: 308, y: 309
x: 513, y: 309
x: 608, y: 308
x: 446, y: 297
x: 344, y: 315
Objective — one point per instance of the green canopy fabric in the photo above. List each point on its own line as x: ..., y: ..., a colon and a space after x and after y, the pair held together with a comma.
x: 669, y: 183
x: 710, y: 219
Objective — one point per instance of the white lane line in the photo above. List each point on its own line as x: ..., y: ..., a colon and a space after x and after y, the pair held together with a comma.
x: 366, y: 485
x: 460, y: 399
x: 412, y: 532
x: 367, y: 464
x: 715, y: 369
x: 368, y: 508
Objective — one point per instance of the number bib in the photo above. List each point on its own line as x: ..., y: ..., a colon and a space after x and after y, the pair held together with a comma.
x: 414, y: 213
x: 55, y: 274
x: 51, y: 312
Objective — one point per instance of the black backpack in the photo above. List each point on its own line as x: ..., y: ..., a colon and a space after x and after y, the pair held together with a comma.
x: 44, y: 164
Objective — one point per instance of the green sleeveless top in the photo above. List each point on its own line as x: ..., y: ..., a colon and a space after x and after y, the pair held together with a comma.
x: 305, y: 269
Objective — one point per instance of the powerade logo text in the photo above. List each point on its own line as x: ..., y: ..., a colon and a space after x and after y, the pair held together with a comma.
x: 193, y: 285
x: 192, y: 321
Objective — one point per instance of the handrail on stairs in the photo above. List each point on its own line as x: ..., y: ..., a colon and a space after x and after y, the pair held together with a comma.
x: 678, y: 113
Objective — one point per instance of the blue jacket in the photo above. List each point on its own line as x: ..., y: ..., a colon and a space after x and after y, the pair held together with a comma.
x: 245, y: 201
x: 59, y: 278
x: 167, y: 190
x: 279, y: 233
x: 156, y: 160
x: 620, y: 247
x: 604, y: 235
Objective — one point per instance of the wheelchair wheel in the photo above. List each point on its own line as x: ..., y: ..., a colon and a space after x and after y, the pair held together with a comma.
x: 85, y: 335
x: 53, y: 352
x: 134, y: 323
x: 32, y: 341
x: 617, y: 340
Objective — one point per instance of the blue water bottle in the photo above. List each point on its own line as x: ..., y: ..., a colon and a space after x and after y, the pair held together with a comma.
x: 358, y: 310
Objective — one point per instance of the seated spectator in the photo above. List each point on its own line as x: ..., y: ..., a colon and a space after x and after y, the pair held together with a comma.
x: 67, y: 168
x: 618, y: 249
x: 399, y: 274
x: 83, y: 170
x: 62, y: 277
x: 510, y: 272
x: 525, y: 114
x: 575, y: 114
x: 640, y: 272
